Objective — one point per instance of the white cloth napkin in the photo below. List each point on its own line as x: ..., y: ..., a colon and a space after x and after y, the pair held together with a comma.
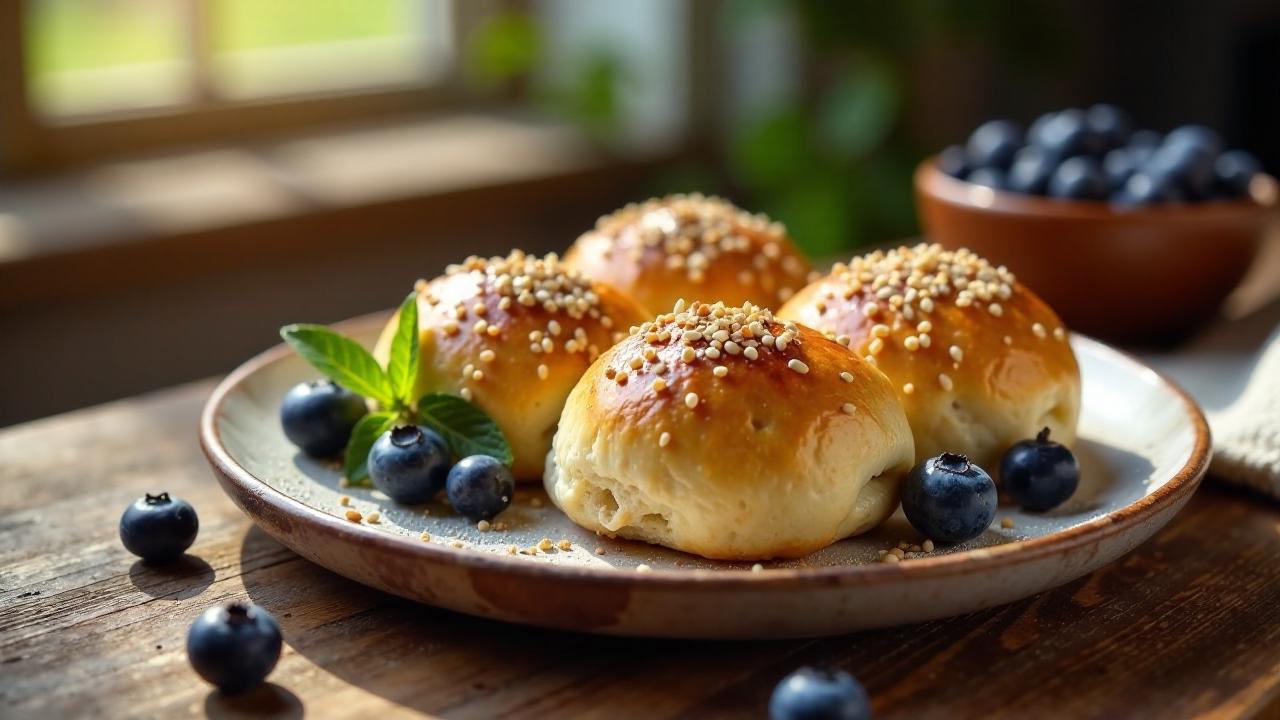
x: 1233, y: 371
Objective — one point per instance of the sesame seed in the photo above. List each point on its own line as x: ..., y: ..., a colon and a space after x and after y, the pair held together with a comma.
x: 1038, y: 329
x: 450, y: 328
x: 1059, y: 334
x: 344, y: 501
x: 354, y: 516
x: 600, y: 551
x: 956, y: 353
x: 553, y: 327
x: 720, y: 371
x: 659, y: 385
x: 876, y: 346
x: 927, y: 545
x: 478, y: 375
x: 925, y: 340
x: 890, y: 558
x: 636, y: 363
x: 1008, y: 340
x: 911, y: 343
x: 1006, y: 523
x: 659, y: 368
x: 732, y: 347
x: 691, y: 400
x: 621, y: 377
x: 512, y: 549
x: 642, y: 568
x: 712, y: 353
x: 664, y: 439
x: 688, y: 355
x: 456, y: 544
x: 483, y: 526
x: 798, y: 366
x: 543, y: 372
x: 908, y: 389
x: 757, y: 568
x: 487, y: 356
x: 995, y: 309
x: 564, y: 545
x: 880, y: 330
x: 945, y: 381
x: 751, y: 353
x: 425, y: 536
x: 466, y: 394
x: 844, y: 340
x: 924, y: 326
x: 373, y: 517
x: 545, y: 545
x: 848, y: 408
x: 846, y: 376
x: 479, y: 309
x: 480, y: 328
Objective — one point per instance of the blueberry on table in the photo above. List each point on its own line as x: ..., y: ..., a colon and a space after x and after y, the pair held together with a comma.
x: 990, y: 177
x: 993, y: 144
x: 1197, y: 136
x: 954, y: 161
x: 1110, y: 123
x: 1039, y: 474
x: 1078, y: 178
x: 158, y: 528
x: 819, y: 694
x: 480, y: 487
x: 1233, y: 170
x: 318, y: 417
x: 1069, y: 135
x: 949, y: 499
x: 409, y: 463
x: 1030, y: 171
x: 1144, y: 189
x: 234, y: 647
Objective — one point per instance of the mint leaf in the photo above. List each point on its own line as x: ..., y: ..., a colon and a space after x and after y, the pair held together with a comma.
x: 402, y: 363
x: 363, y: 436
x: 465, y: 427
x: 341, y: 359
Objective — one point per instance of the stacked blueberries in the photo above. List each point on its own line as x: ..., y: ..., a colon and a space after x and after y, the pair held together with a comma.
x: 1095, y: 154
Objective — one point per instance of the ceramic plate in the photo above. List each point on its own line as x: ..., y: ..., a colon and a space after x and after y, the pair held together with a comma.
x: 1144, y: 448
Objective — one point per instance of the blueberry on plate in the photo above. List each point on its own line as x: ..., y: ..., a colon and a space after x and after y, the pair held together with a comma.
x: 480, y: 487
x: 1187, y: 166
x: 409, y: 463
x: 819, y: 694
x: 954, y: 161
x: 1233, y: 170
x: 234, y: 647
x: 990, y: 177
x: 1078, y: 178
x: 1144, y: 189
x: 1197, y: 136
x: 949, y: 499
x: 1030, y: 171
x: 158, y: 528
x: 318, y: 417
x: 1039, y: 474
x: 1111, y: 123
x: 1068, y: 135
x: 993, y: 144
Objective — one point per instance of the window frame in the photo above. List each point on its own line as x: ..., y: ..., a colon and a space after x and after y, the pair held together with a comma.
x: 32, y: 143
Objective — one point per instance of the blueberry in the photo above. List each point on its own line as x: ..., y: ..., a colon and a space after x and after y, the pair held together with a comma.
x: 1197, y: 136
x: 991, y: 177
x: 1110, y: 123
x: 954, y: 162
x: 1144, y: 189
x: 158, y: 528
x: 318, y: 417
x: 993, y: 144
x: 234, y: 647
x: 949, y: 499
x: 409, y: 463
x: 1233, y: 170
x: 1117, y: 166
x: 1144, y: 139
x: 1069, y: 135
x: 1187, y: 166
x: 480, y: 487
x: 1078, y: 178
x: 1039, y: 474
x: 819, y: 694
x: 1035, y: 133
x: 1030, y: 171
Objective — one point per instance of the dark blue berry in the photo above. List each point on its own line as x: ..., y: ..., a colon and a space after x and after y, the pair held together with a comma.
x: 819, y: 694
x: 949, y: 499
x: 480, y: 487
x: 1035, y: 133
x: 1144, y: 189
x: 1118, y: 165
x: 318, y: 417
x: 991, y: 177
x: 409, y: 464
x: 1189, y: 167
x: 1039, y: 474
x: 234, y: 647
x: 158, y: 528
x: 1197, y: 136
x: 954, y: 162
x: 1110, y: 123
x: 1233, y: 170
x: 1030, y: 171
x: 993, y: 144
x: 1078, y: 178
x: 1147, y: 140
x: 1068, y: 134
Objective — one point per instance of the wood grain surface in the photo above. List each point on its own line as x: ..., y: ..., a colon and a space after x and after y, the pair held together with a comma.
x: 1187, y: 626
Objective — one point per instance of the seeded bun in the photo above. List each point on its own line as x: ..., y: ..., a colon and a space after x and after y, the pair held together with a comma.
x: 513, y: 335
x: 977, y: 359
x: 723, y: 432
x: 686, y: 246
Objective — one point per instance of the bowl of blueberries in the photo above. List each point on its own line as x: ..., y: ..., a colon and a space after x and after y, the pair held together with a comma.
x: 1129, y: 234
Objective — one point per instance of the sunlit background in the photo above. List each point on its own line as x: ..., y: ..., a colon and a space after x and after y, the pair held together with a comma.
x: 180, y: 177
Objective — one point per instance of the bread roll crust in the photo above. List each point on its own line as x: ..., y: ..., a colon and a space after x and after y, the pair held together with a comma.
x: 691, y: 246
x: 513, y: 335
x: 977, y: 359
x: 776, y: 456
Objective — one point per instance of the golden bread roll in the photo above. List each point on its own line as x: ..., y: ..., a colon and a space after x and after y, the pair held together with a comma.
x: 513, y: 335
x: 977, y: 359
x: 723, y: 432
x: 686, y: 246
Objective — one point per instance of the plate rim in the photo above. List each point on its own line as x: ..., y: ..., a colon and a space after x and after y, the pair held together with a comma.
x: 976, y: 561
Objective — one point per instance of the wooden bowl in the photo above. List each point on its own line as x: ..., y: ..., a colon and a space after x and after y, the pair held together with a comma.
x: 1141, y: 275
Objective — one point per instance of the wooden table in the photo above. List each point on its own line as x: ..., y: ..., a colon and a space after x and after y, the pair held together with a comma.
x: 1188, y: 625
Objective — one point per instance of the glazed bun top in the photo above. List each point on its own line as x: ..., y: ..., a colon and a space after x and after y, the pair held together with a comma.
x: 979, y: 360
x: 513, y: 335
x: 691, y: 246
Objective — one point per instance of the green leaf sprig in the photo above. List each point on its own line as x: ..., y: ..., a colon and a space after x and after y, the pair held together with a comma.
x: 465, y: 428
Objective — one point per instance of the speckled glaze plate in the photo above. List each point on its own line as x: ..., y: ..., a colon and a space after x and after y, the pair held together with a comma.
x: 1144, y: 448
